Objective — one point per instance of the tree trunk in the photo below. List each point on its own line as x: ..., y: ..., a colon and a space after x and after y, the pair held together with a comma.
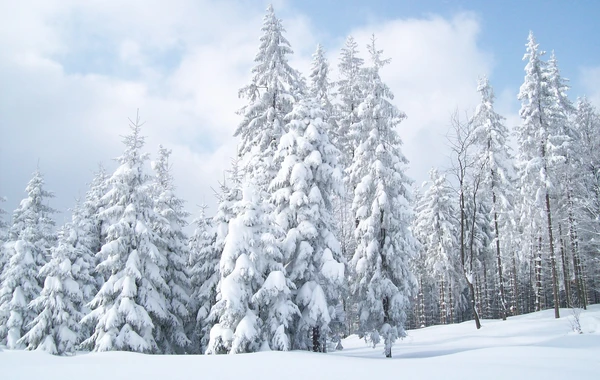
x: 565, y: 268
x: 515, y: 287
x: 442, y: 302
x: 422, y: 319
x: 486, y: 293
x: 478, y: 302
x: 386, y: 320
x: 468, y: 274
x: 578, y: 269
x: 450, y: 301
x: 552, y: 258
x: 538, y: 276
x: 316, y: 339
x: 499, y: 259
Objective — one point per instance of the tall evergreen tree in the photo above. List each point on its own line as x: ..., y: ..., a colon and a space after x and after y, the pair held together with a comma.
x: 274, y: 88
x: 436, y: 226
x: 382, y: 281
x: 351, y: 95
x: 494, y: 159
x: 206, y: 250
x: 59, y: 306
x: 204, y: 272
x: 586, y: 195
x: 91, y: 212
x: 131, y: 306
x: 540, y: 145
x: 173, y: 244
x: 560, y: 110
x: 239, y: 328
x: 319, y: 82
x: 258, y: 313
x: 29, y: 241
x: 302, y: 193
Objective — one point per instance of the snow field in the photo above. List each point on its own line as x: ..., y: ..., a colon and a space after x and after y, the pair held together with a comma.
x: 533, y: 346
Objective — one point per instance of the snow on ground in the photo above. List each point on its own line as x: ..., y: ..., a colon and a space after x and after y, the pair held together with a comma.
x: 533, y: 346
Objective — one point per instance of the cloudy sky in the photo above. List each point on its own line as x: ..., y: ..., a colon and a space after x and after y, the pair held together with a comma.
x: 72, y: 72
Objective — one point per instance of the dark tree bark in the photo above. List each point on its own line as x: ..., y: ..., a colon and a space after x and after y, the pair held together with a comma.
x: 565, y: 268
x: 515, y: 286
x: 316, y: 339
x: 499, y: 258
x: 552, y: 258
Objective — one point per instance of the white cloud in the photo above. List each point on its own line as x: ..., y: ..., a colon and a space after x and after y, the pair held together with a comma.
x: 78, y: 69
x: 434, y: 70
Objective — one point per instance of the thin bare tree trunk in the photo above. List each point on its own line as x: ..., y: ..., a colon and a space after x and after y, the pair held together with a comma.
x: 423, y: 321
x: 538, y: 276
x: 442, y: 302
x: 552, y: 259
x: 565, y: 268
x: 499, y: 259
x: 515, y: 287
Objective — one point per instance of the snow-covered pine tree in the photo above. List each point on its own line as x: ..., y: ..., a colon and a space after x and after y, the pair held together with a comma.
x: 60, y: 305
x: 132, y: 302
x: 92, y: 220
x: 302, y: 193
x: 479, y: 235
x: 273, y: 299
x: 206, y: 249
x: 251, y: 257
x: 382, y: 280
x: 587, y: 194
x: 436, y: 225
x: 204, y: 271
x: 540, y: 150
x: 274, y: 88
x: 172, y: 337
x: 560, y: 115
x: 495, y: 160
x: 421, y: 305
x: 320, y: 89
x: 28, y: 247
x: 350, y: 92
x: 239, y: 328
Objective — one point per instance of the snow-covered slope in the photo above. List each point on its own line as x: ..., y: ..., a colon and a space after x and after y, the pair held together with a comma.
x: 534, y: 346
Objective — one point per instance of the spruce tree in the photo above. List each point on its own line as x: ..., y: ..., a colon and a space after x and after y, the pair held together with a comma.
x: 494, y: 159
x: 29, y: 241
x: 302, y: 193
x: 131, y: 306
x: 173, y: 246
x: 436, y: 227
x: 204, y: 274
x: 383, y: 282
x: 238, y: 328
x: 540, y: 151
x: 350, y: 88
x: 320, y: 89
x: 586, y: 197
x: 252, y: 260
x: 274, y: 88
x: 206, y: 248
x: 60, y: 305
x: 93, y: 221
